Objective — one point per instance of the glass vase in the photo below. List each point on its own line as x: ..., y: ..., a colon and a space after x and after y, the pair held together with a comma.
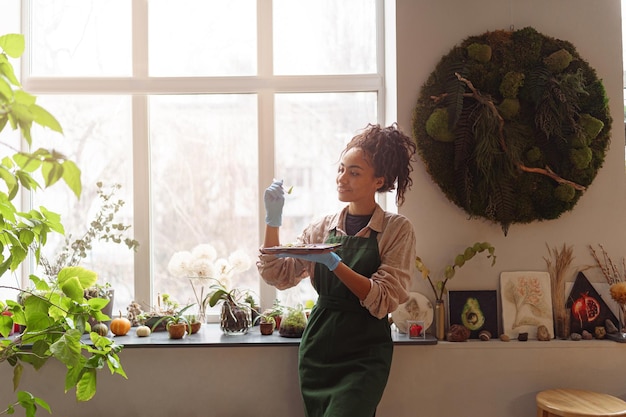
x: 235, y: 318
x: 440, y: 320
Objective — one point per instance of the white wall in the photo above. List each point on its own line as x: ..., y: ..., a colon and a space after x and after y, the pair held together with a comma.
x: 427, y: 30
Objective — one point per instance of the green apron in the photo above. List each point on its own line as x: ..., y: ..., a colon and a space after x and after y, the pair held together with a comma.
x: 345, y: 352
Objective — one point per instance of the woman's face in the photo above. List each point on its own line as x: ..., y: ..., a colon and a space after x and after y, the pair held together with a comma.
x: 355, y: 178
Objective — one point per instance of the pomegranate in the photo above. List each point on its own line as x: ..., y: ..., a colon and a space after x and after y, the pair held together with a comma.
x: 586, y: 308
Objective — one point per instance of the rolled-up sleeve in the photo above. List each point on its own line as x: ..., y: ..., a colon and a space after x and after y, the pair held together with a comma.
x: 390, y: 283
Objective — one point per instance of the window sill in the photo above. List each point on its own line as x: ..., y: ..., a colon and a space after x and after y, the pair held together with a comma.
x: 210, y: 335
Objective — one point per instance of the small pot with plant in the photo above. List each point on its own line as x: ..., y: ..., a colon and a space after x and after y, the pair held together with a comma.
x: 276, y: 312
x: 266, y: 323
x: 155, y: 317
x: 176, y: 324
x: 194, y: 323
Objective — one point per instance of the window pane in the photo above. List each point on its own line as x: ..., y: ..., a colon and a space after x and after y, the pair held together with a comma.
x: 324, y: 37
x: 202, y: 38
x: 97, y: 137
x: 311, y: 132
x: 81, y: 38
x: 204, y: 183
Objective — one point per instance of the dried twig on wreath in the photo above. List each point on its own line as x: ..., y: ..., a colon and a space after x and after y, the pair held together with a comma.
x: 475, y: 94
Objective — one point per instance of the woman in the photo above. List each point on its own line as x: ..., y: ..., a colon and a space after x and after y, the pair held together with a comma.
x: 345, y: 352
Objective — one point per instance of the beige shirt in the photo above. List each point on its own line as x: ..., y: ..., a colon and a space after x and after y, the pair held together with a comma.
x: 389, y: 285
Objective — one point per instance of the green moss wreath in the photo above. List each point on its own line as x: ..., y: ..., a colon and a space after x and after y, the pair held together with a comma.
x: 513, y: 126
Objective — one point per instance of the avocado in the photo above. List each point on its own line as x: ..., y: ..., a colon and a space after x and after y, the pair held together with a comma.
x: 471, y: 316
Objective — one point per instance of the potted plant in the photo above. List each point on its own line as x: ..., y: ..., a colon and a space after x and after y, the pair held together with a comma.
x: 194, y: 323
x: 102, y: 227
x: 294, y: 322
x: 275, y: 312
x: 254, y: 307
x: 235, y: 315
x: 266, y: 323
x: 52, y: 316
x: 155, y: 317
x: 176, y: 324
x: 202, y: 267
x: 439, y: 289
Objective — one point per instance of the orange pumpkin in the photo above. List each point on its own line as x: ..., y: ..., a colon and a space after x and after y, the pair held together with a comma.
x: 120, y: 325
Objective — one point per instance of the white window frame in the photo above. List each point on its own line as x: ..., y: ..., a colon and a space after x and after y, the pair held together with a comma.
x: 265, y: 84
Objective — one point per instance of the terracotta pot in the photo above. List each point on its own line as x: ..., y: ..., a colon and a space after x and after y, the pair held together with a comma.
x: 195, y: 327
x: 266, y: 328
x: 177, y: 330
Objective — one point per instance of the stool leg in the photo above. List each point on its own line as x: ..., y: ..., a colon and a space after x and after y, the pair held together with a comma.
x: 543, y: 413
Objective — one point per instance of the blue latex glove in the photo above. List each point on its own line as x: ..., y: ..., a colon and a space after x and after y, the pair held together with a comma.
x: 330, y: 259
x: 274, y: 199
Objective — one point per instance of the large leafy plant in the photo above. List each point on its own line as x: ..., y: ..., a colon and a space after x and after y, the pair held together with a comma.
x: 53, y: 319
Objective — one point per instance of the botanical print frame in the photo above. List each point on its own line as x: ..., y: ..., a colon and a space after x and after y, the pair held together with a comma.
x: 526, y: 303
x: 476, y: 310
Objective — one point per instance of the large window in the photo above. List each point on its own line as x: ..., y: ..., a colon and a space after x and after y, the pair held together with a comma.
x: 194, y: 107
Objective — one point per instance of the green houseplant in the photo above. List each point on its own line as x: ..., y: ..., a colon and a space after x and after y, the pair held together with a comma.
x: 176, y: 324
x: 235, y: 315
x: 439, y: 288
x: 53, y: 318
x: 293, y: 322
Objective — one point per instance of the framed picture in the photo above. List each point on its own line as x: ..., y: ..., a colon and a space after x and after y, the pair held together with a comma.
x: 476, y: 310
x: 590, y: 305
x: 526, y: 303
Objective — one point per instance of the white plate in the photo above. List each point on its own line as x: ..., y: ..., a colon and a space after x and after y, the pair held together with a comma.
x: 417, y: 307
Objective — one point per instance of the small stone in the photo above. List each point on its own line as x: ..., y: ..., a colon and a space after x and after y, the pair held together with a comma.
x: 610, y: 327
x: 505, y: 338
x: 522, y: 337
x: 600, y: 332
x: 575, y: 336
x: 458, y: 333
x: 484, y: 335
x: 586, y: 335
x: 543, y: 334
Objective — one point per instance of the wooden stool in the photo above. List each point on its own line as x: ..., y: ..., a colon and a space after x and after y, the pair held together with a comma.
x: 578, y: 403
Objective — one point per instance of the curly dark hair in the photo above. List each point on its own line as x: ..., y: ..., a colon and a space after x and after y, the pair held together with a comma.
x: 391, y: 153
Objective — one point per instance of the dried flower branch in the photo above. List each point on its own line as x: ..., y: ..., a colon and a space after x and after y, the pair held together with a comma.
x: 562, y: 261
x: 609, y: 269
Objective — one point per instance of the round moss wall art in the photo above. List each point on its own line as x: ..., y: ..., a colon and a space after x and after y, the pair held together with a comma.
x: 513, y: 126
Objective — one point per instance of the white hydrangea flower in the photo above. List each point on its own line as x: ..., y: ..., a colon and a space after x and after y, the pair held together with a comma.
x: 180, y: 264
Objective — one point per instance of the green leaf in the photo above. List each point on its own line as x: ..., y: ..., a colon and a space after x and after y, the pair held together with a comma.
x: 6, y: 69
x: 12, y: 44
x: 5, y: 90
x: 71, y: 176
x: 86, y: 387
x: 72, y: 288
x: 67, y: 349
x: 43, y: 404
x: 26, y: 161
x: 26, y: 100
x: 17, y: 375
x: 85, y: 277
x: 44, y: 118
x: 6, y: 325
x: 51, y: 171
x: 10, y: 182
